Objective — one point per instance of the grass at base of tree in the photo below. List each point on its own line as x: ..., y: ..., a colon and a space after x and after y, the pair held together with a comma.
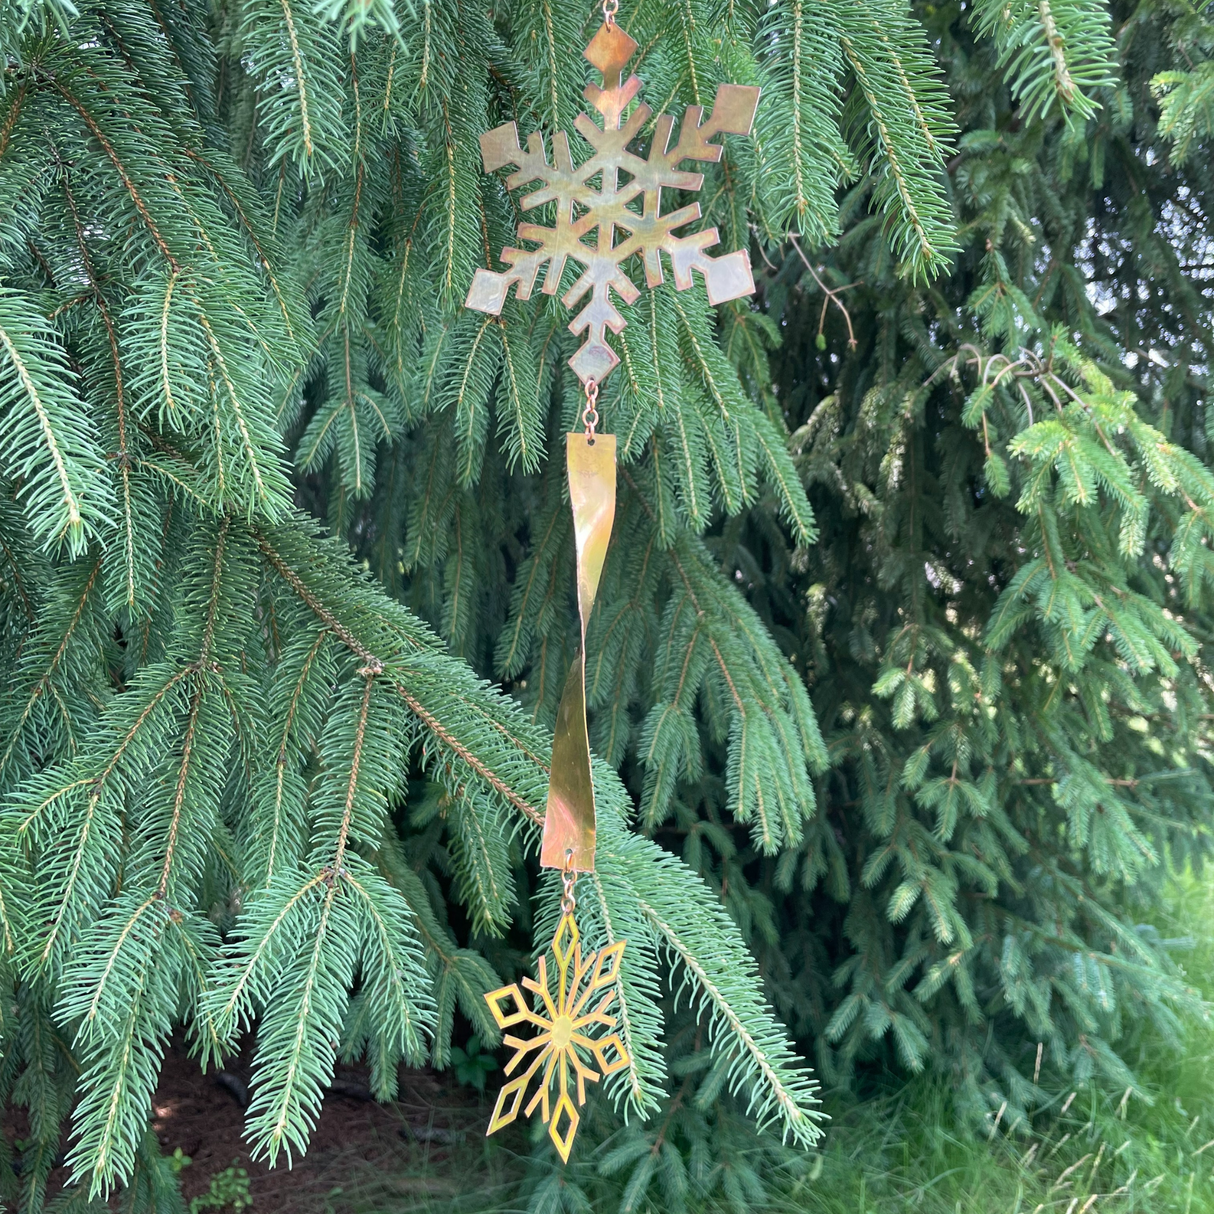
x: 905, y: 1152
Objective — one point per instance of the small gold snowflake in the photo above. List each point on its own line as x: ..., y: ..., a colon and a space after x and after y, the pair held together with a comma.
x: 561, y: 1041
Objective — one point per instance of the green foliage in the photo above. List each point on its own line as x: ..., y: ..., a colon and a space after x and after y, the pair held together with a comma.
x: 1186, y: 102
x: 471, y: 1065
x: 47, y: 445
x: 900, y: 1147
x: 899, y: 721
x: 1052, y: 53
x: 1004, y: 618
x: 229, y: 1190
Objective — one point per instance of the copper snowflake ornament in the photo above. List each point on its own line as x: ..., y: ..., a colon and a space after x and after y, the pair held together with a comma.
x: 563, y: 1042
x: 571, y: 1032
x: 634, y: 207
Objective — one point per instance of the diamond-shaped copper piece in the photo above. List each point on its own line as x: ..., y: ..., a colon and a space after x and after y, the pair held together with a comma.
x: 506, y: 1019
x: 564, y: 1139
x: 609, y: 50
x: 565, y: 941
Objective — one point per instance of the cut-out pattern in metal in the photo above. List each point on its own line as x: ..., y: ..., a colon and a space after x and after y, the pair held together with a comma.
x: 563, y: 1043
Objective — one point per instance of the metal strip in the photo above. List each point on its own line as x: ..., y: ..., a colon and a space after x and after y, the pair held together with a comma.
x: 569, y: 822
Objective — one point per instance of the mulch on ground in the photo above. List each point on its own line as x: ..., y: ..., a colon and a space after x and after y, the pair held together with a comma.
x: 363, y: 1154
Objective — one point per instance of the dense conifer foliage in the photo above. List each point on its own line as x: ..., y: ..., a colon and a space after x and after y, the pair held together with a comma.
x: 896, y: 674
x: 1005, y: 610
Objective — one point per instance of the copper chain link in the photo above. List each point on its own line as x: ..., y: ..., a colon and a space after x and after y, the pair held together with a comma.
x: 590, y: 414
x: 569, y: 880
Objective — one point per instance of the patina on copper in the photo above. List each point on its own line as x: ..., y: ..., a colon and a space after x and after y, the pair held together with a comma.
x: 635, y: 207
x: 564, y: 1044
x: 588, y: 218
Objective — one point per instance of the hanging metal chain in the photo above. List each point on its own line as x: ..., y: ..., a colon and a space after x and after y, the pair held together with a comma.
x: 610, y: 8
x: 569, y: 880
x: 590, y: 414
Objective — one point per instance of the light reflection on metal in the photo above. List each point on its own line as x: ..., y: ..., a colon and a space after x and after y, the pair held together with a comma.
x: 563, y: 1041
x: 569, y: 821
x: 634, y: 207
x: 588, y: 217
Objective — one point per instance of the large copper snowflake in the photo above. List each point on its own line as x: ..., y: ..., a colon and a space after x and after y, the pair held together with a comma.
x: 633, y: 205
x: 562, y: 1041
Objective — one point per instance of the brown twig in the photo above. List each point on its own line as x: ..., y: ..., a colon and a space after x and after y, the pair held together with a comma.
x: 832, y: 295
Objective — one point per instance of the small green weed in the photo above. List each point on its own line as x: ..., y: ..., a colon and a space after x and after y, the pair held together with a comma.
x: 471, y: 1065
x: 229, y: 1191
